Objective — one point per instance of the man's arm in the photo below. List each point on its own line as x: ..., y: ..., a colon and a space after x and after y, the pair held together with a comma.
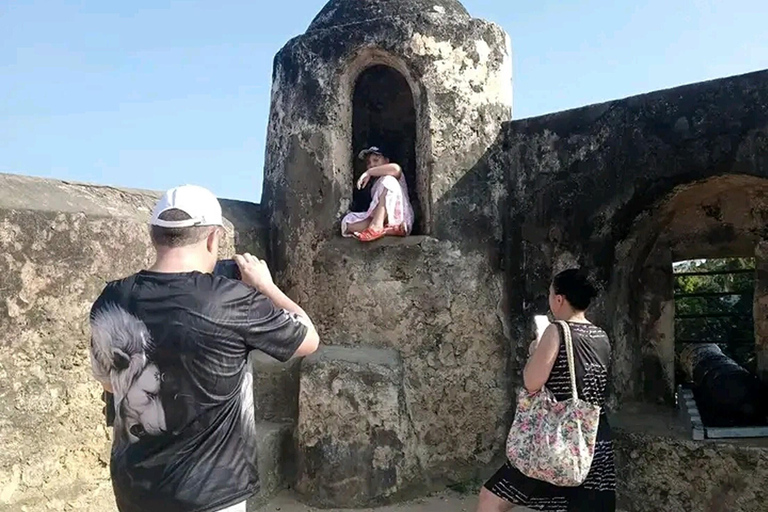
x: 256, y: 274
x: 281, y: 300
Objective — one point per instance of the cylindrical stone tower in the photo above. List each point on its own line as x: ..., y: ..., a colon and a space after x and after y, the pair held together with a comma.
x: 410, y: 387
x: 422, y: 77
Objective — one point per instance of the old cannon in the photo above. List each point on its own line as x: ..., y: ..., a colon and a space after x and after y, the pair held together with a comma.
x: 726, y: 394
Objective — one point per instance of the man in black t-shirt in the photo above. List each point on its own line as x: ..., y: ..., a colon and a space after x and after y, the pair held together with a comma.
x: 172, y: 343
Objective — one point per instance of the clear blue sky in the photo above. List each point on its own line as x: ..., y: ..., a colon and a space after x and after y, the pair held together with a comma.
x: 151, y: 94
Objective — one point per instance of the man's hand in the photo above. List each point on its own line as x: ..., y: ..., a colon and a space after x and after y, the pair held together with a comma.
x: 363, y: 180
x: 255, y: 272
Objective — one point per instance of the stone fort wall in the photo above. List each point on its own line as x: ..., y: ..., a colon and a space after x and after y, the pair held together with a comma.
x: 624, y: 189
x: 424, y: 338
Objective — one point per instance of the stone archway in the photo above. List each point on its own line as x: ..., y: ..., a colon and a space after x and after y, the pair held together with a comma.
x: 721, y: 217
x: 384, y: 114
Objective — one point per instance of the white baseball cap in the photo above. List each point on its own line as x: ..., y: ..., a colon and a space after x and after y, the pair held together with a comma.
x: 199, y: 203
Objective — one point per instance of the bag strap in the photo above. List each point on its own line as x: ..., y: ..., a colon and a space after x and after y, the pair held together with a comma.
x: 569, y: 355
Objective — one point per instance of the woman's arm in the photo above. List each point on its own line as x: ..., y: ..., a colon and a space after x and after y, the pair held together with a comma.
x: 540, y: 364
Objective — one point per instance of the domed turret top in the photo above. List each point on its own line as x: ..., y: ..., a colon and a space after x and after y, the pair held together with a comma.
x: 344, y: 12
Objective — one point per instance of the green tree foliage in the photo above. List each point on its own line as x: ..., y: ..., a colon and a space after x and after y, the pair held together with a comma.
x: 717, y: 307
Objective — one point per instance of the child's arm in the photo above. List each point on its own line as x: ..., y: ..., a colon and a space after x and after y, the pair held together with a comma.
x: 390, y: 169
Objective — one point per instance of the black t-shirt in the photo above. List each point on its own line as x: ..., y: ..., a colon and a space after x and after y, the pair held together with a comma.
x: 175, y: 349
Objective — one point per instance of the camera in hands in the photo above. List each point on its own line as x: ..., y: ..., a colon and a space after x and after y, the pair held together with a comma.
x: 227, y: 268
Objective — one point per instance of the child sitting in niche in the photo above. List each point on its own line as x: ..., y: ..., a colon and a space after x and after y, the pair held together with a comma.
x: 390, y: 211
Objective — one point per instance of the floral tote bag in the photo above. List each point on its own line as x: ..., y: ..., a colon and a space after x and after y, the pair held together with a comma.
x: 550, y: 440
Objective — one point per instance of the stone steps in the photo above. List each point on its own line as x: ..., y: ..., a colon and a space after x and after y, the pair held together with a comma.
x: 275, y: 397
x: 276, y: 460
x: 275, y: 388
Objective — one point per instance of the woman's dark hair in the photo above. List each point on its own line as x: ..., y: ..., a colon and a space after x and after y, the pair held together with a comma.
x: 576, y: 287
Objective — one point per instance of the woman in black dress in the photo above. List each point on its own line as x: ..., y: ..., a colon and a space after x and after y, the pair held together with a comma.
x: 569, y: 296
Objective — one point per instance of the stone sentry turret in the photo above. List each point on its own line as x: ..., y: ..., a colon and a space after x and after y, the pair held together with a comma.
x: 411, y: 387
x: 421, y: 77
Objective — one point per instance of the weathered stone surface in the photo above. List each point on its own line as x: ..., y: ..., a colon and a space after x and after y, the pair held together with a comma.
x: 338, y: 14
x: 249, y: 229
x: 55, y: 443
x: 659, y: 469
x: 440, y: 306
x: 459, y: 71
x: 615, y: 187
x: 624, y: 189
x: 276, y: 410
x: 354, y: 435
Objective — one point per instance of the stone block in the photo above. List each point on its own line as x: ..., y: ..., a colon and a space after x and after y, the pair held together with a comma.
x: 458, y: 71
x: 692, y: 182
x: 354, y: 434
x: 659, y: 466
x: 439, y: 304
x: 760, y: 311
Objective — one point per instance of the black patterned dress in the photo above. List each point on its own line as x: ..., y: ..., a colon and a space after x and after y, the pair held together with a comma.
x: 592, y: 354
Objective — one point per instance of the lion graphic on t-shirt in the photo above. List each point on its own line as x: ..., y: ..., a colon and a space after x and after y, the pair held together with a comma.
x: 122, y: 347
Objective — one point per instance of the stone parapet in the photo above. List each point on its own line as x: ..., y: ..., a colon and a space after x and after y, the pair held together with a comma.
x: 660, y: 468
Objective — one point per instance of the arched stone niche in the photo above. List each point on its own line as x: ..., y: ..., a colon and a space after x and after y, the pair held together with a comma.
x: 721, y: 217
x: 382, y: 104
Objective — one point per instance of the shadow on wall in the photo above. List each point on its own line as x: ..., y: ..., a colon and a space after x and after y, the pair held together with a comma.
x: 475, y: 215
x: 249, y: 225
x: 472, y: 211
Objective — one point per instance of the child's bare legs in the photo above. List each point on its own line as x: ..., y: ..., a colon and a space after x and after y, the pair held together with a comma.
x: 489, y: 502
x: 375, y: 221
x: 379, y: 213
x: 359, y: 226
